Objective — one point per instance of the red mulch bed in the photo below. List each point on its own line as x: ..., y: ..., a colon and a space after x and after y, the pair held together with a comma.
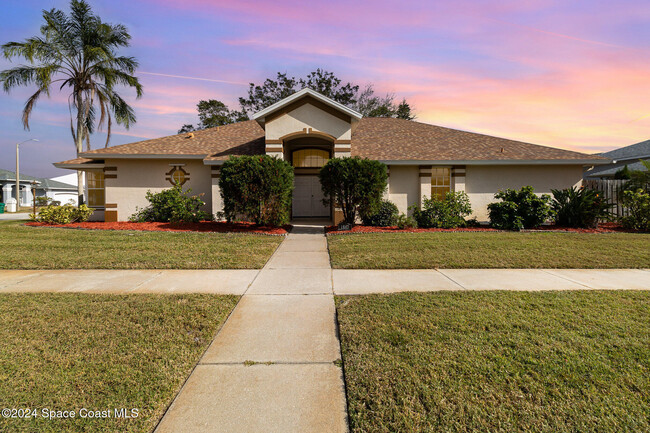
x: 602, y: 228
x: 204, y: 226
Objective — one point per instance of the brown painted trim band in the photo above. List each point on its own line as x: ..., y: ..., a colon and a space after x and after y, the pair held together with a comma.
x: 110, y: 176
x: 110, y: 216
x: 215, y: 175
x: 110, y: 205
x: 110, y: 169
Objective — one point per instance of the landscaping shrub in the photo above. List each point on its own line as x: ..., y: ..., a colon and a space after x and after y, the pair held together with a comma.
x: 42, y: 201
x: 638, y: 207
x: 355, y: 184
x: 65, y: 214
x: 579, y: 207
x: 406, y: 222
x: 385, y: 216
x: 172, y: 205
x: 519, y: 209
x: 257, y: 188
x: 448, y: 212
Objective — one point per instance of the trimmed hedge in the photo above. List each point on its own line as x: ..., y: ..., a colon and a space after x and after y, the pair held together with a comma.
x: 257, y: 188
x: 447, y: 213
x: 172, y: 205
x: 65, y: 214
x: 385, y: 216
x: 519, y: 209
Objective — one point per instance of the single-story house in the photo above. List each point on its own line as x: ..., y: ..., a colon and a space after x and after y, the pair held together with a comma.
x: 306, y: 129
x: 53, y: 189
x: 628, y: 155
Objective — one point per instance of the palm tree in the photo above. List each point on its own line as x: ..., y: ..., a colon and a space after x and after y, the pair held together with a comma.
x: 79, y: 53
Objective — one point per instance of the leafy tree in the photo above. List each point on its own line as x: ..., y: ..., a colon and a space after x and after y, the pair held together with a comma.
x: 257, y: 187
x: 639, y: 179
x: 623, y: 173
x: 77, y: 52
x: 355, y: 184
x: 322, y: 81
x: 214, y: 113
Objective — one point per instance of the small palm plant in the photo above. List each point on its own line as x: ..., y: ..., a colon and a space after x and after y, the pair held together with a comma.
x: 77, y: 52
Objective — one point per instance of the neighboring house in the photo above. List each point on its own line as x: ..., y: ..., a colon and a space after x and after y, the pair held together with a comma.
x: 53, y: 189
x: 628, y: 155
x: 306, y: 129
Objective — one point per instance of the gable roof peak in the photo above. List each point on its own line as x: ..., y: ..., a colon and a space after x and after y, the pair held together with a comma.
x: 306, y: 92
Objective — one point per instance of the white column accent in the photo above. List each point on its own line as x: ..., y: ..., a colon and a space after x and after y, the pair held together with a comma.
x: 6, y: 192
x: 425, y: 183
x: 28, y: 195
x: 217, y: 202
x: 387, y: 190
x: 458, y: 178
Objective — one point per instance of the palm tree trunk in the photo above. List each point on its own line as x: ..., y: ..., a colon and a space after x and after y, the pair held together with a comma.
x: 79, y: 142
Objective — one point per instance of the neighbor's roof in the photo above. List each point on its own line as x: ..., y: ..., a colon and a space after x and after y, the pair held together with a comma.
x: 388, y: 139
x: 385, y: 139
x: 633, y: 151
x: 242, y: 138
x: 7, y: 175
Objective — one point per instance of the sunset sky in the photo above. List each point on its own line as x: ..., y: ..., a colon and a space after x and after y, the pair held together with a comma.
x: 570, y: 74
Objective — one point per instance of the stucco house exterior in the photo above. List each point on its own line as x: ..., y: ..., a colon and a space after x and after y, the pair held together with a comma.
x: 306, y: 129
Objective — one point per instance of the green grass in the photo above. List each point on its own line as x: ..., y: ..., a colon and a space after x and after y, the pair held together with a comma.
x: 23, y: 247
x: 73, y: 351
x: 497, y: 361
x: 490, y: 250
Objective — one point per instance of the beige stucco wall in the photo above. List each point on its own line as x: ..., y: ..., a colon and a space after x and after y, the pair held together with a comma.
x: 307, y: 116
x: 404, y: 186
x: 481, y: 182
x: 137, y: 176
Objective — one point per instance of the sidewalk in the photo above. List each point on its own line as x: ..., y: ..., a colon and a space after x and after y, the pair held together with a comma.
x: 282, y: 276
x: 273, y: 366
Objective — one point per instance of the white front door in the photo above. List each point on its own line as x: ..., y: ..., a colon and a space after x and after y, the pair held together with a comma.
x: 308, y: 198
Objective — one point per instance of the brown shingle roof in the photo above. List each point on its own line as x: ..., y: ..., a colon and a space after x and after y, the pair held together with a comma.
x: 390, y: 139
x: 384, y: 139
x: 243, y: 138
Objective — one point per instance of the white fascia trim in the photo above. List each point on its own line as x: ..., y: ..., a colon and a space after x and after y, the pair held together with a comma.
x: 499, y: 162
x: 260, y: 115
x: 140, y: 156
x: 78, y: 166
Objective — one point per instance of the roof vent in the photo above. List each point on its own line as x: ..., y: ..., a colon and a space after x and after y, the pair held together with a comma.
x: 190, y: 135
x: 502, y: 150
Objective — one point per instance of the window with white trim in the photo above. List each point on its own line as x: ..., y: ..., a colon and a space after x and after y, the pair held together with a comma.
x: 440, y: 182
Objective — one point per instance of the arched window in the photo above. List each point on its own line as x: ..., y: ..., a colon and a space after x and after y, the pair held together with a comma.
x: 310, y: 158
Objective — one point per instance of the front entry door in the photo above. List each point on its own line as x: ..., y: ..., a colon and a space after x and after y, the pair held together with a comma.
x: 308, y: 198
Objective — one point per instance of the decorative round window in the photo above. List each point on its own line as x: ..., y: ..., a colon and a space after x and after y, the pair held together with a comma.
x: 177, y: 176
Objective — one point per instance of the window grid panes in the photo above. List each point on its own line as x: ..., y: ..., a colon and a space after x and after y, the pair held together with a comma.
x: 440, y: 182
x: 310, y: 158
x: 95, y: 182
x: 178, y: 177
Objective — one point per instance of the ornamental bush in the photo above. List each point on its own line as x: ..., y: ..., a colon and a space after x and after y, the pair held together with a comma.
x: 355, y: 184
x: 448, y: 212
x: 257, y: 188
x: 65, y: 214
x: 579, y: 207
x: 637, y: 204
x: 172, y: 205
x: 406, y: 222
x: 384, y: 216
x: 519, y: 209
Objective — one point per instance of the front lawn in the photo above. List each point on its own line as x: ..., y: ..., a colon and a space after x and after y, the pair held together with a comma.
x: 24, y: 247
x: 490, y: 250
x: 497, y: 361
x: 100, y: 352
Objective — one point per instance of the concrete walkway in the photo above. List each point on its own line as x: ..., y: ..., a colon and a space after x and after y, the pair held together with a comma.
x: 273, y: 365
x: 6, y: 216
